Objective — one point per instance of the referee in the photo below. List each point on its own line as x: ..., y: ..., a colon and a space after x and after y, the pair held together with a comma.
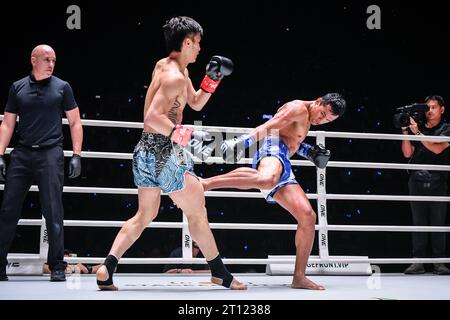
x: 39, y: 100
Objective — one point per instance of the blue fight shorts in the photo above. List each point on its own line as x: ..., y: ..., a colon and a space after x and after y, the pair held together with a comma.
x: 272, y: 146
x: 159, y: 163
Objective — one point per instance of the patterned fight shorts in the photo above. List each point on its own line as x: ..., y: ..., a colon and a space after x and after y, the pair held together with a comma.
x: 159, y: 163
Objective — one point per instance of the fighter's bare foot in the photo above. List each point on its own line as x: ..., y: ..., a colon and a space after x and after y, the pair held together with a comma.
x: 235, y: 284
x: 305, y: 283
x: 102, y: 276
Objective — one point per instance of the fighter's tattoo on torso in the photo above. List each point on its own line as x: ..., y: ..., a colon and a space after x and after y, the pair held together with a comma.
x: 173, y: 112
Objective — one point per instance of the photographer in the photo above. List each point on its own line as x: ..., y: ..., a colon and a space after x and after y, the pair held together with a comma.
x: 428, y: 183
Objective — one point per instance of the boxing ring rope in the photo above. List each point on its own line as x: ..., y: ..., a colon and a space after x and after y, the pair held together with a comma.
x: 240, y: 226
x: 255, y: 195
x: 219, y: 160
x: 239, y: 261
x: 321, y: 197
x: 257, y: 261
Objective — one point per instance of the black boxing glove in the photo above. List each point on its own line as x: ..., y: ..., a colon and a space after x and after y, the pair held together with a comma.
x: 316, y: 154
x: 2, y: 168
x: 75, y: 166
x: 199, y: 143
x: 217, y: 68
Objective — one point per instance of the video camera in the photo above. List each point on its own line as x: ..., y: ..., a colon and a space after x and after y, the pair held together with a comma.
x: 416, y: 111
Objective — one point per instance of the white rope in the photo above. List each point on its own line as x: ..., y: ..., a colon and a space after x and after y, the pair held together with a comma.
x: 219, y: 194
x: 254, y: 195
x: 258, y: 261
x: 380, y: 165
x: 109, y: 123
x: 385, y: 197
x: 102, y: 155
x: 140, y: 125
x: 372, y: 136
x: 387, y: 228
x: 303, y: 163
x: 384, y: 136
x: 329, y: 134
x: 28, y: 257
x: 243, y: 226
x: 242, y: 261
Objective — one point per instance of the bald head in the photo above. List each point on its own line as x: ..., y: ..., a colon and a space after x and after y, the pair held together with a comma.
x: 43, y: 60
x: 41, y: 50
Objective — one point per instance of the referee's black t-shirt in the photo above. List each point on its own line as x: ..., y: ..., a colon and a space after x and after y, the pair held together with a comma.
x: 40, y: 106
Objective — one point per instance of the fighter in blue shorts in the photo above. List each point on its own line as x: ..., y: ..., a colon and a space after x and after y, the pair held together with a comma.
x: 272, y: 146
x: 280, y: 138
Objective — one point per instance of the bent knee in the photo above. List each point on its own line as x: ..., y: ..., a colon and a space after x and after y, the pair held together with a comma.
x: 144, y: 216
x: 306, y: 217
x: 193, y: 206
x: 195, y: 213
x: 268, y: 182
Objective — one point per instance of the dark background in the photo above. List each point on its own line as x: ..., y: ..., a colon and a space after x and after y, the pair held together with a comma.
x: 282, y: 51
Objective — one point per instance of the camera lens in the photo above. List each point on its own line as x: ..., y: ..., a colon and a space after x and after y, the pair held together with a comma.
x: 401, y: 120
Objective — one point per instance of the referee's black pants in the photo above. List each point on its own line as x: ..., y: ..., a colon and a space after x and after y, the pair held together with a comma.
x: 45, y: 166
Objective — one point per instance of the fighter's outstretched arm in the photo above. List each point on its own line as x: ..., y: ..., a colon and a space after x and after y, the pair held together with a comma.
x: 288, y: 113
x: 233, y: 149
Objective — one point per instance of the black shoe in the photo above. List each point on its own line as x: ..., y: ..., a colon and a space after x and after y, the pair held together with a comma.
x: 441, y: 269
x: 58, y: 274
x: 415, y: 268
